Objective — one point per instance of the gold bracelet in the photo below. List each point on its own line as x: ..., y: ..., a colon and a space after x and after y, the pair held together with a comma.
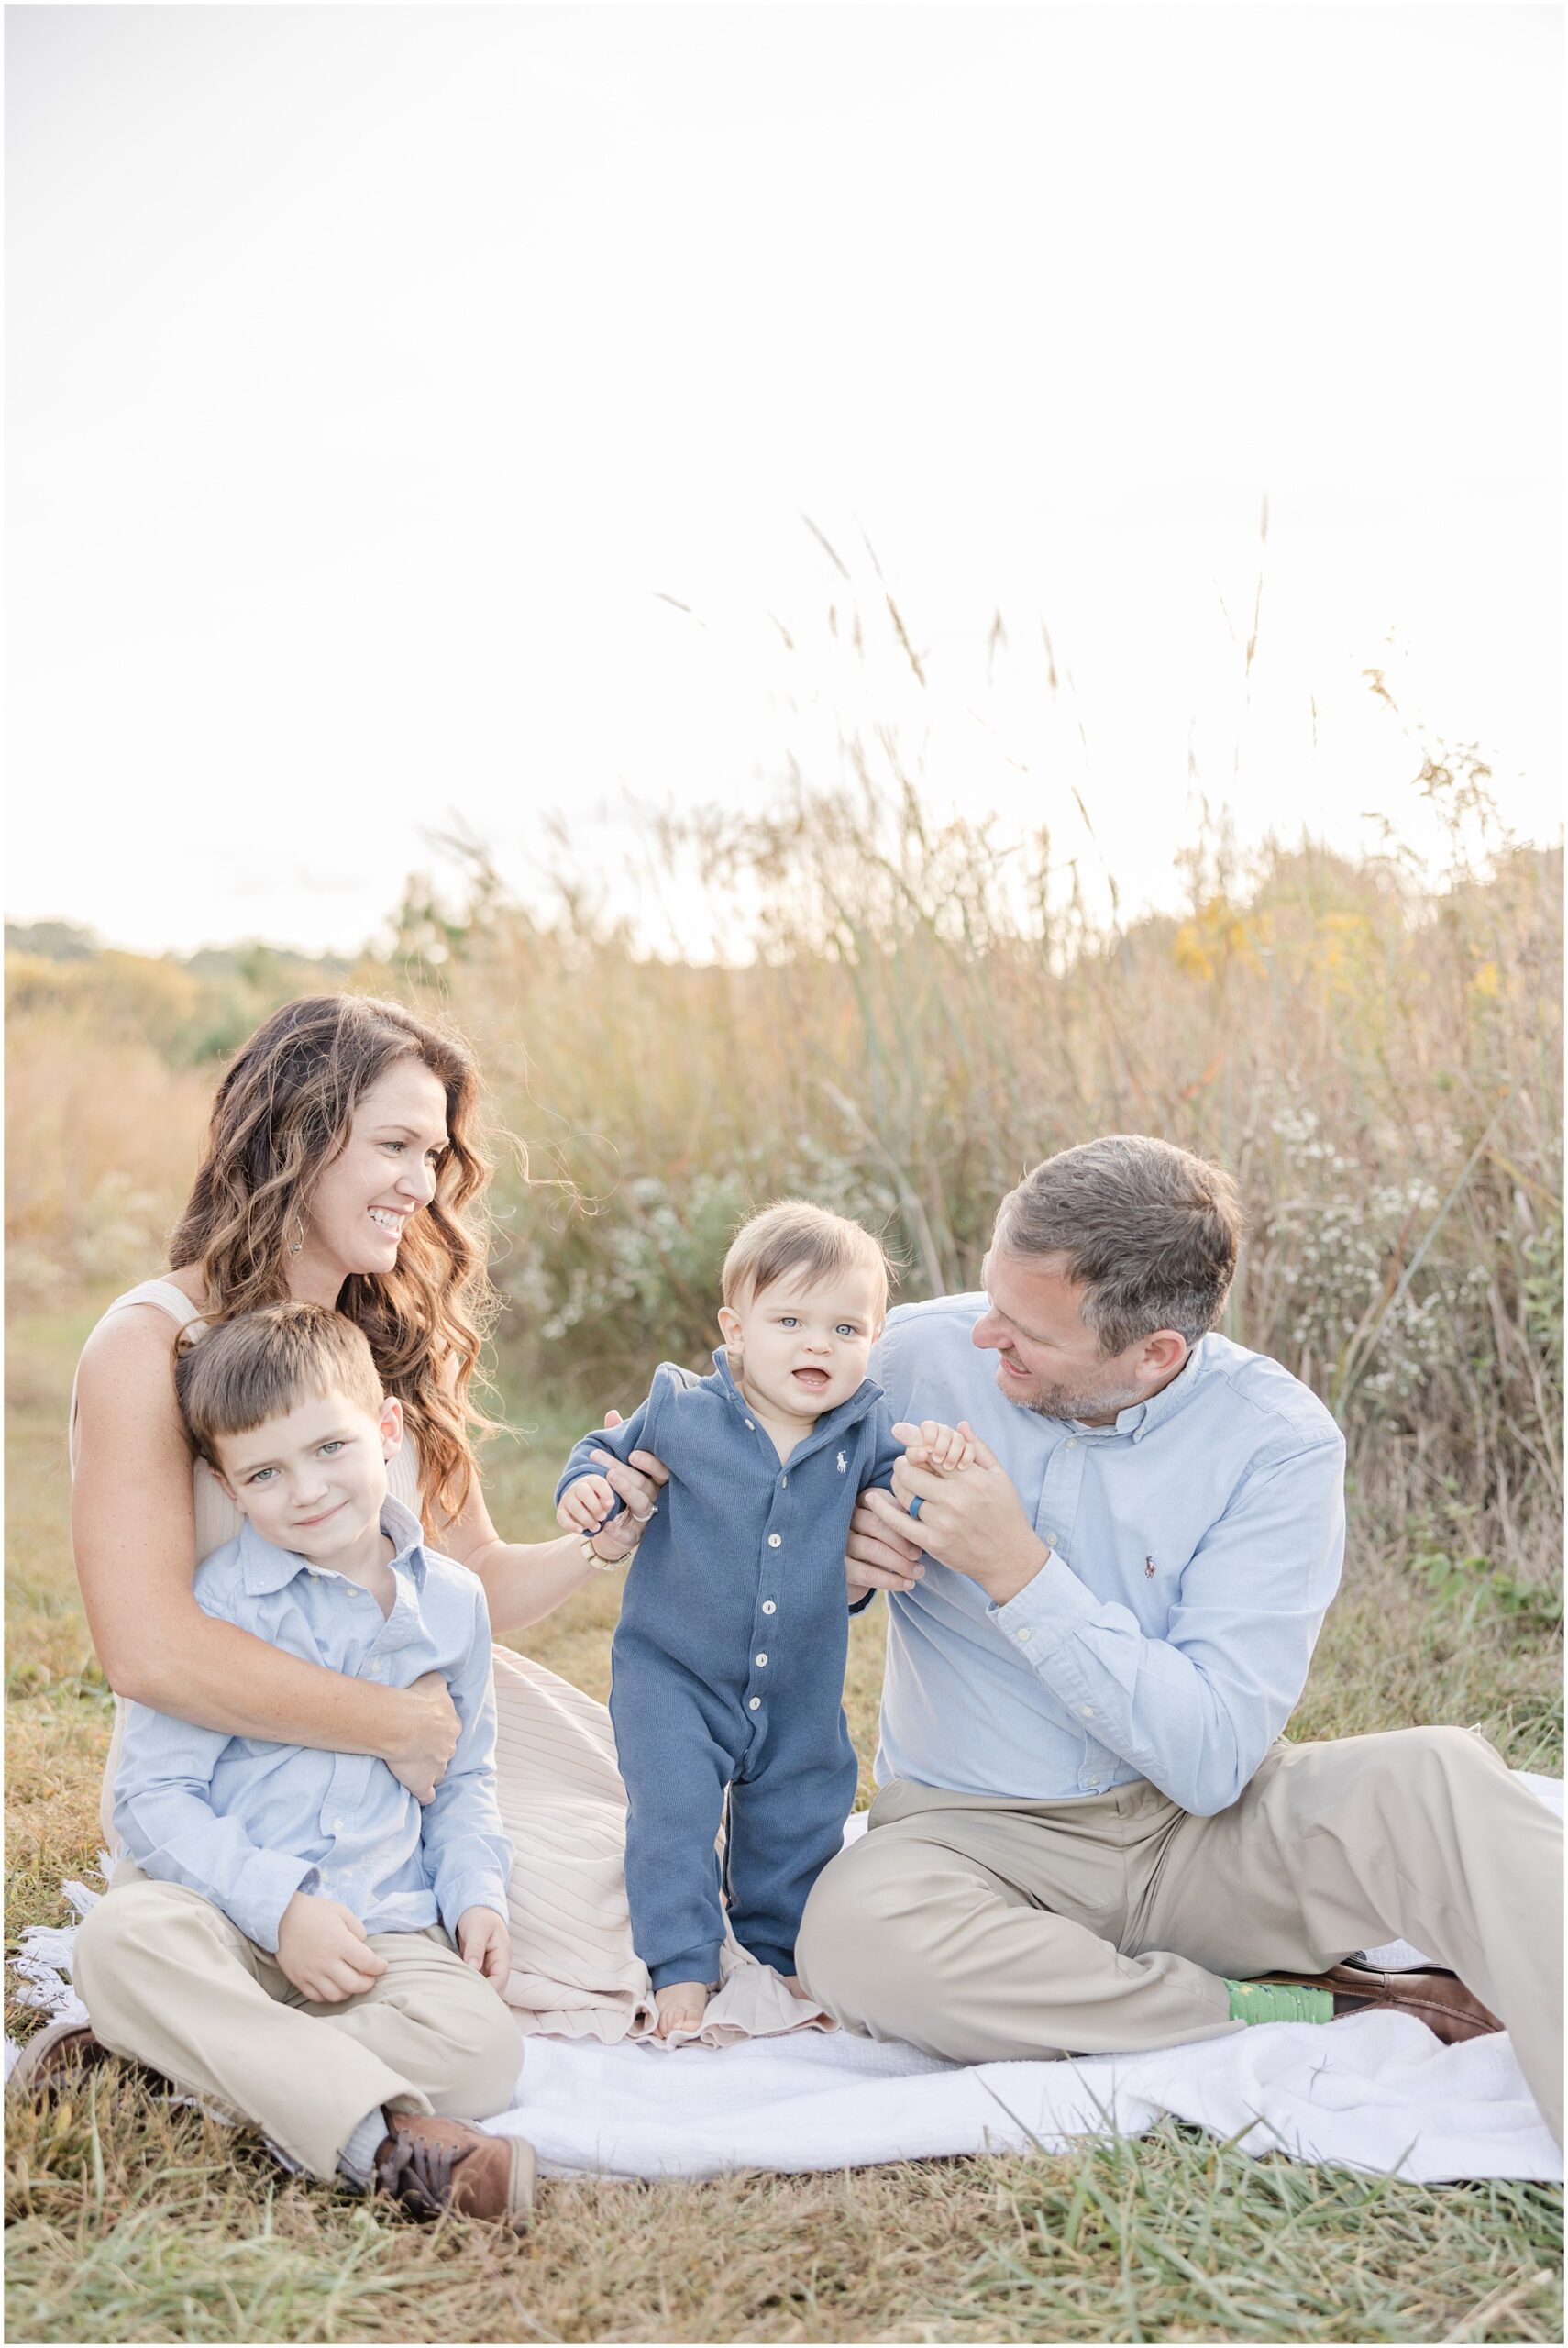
x: 609, y: 1565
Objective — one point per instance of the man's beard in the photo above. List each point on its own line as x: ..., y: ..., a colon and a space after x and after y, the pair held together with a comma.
x: 1049, y: 1401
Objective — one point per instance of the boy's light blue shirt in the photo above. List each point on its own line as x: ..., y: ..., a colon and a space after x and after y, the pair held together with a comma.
x: 247, y: 1823
x: 1194, y: 1544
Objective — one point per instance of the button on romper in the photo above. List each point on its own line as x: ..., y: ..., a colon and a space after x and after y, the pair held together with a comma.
x: 727, y: 1668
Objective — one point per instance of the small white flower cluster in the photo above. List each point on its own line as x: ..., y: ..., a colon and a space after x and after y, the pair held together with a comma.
x: 1338, y: 1245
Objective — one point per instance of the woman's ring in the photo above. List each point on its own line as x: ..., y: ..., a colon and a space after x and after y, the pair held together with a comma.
x: 646, y: 1514
x: 916, y: 1504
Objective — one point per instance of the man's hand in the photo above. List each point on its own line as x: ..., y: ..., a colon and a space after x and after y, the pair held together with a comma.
x: 325, y: 1950
x: 876, y: 1555
x: 585, y: 1505
x: 637, y: 1481
x: 430, y: 1734
x: 973, y: 1523
x: 484, y: 1943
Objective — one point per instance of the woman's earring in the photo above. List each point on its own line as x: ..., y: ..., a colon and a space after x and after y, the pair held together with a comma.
x: 295, y: 1245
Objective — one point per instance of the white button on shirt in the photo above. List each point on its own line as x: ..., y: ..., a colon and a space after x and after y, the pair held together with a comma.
x: 775, y: 1540
x: 762, y: 1659
x: 756, y: 1704
x: 769, y: 1607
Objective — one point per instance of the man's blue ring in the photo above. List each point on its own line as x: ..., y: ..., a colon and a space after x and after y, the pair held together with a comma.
x: 916, y: 1504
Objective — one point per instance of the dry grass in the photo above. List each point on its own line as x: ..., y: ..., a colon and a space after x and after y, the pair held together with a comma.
x: 130, y: 2222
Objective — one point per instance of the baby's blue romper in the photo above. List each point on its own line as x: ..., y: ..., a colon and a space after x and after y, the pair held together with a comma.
x: 727, y: 1670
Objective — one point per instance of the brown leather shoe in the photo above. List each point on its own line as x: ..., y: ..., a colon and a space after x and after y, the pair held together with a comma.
x: 1439, y: 1999
x: 58, y: 2060
x: 432, y: 2164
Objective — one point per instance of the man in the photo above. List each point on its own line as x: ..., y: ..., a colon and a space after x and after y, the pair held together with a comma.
x: 1089, y: 1835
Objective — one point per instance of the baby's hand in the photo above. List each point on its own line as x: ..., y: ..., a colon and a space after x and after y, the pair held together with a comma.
x: 585, y: 1504
x: 941, y: 1448
x: 484, y: 1943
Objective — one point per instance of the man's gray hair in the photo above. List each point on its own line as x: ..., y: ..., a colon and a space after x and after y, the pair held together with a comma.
x: 1149, y: 1232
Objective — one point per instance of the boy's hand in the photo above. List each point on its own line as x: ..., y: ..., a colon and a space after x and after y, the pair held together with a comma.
x: 325, y: 1950
x: 585, y: 1504
x: 943, y: 1449
x: 484, y: 1943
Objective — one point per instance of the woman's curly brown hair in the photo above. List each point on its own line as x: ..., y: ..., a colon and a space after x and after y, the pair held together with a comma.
x: 283, y: 1111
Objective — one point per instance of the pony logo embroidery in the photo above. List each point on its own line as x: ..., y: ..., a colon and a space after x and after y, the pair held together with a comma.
x: 1148, y: 1569
x: 842, y: 1465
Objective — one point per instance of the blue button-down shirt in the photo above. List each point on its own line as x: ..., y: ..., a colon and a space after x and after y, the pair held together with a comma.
x: 1194, y: 1546
x: 248, y: 1823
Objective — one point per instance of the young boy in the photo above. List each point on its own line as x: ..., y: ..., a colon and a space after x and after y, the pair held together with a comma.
x: 728, y: 1660
x: 286, y: 1947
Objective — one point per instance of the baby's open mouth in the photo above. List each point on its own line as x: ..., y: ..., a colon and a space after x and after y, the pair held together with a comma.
x: 815, y: 1377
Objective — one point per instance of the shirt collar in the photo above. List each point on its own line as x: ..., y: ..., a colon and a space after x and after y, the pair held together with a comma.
x: 845, y: 1414
x: 1140, y: 1417
x: 267, y: 1568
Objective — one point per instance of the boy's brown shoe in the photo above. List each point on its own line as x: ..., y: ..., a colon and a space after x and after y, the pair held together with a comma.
x: 1439, y: 1999
x: 432, y: 2164
x: 60, y: 2057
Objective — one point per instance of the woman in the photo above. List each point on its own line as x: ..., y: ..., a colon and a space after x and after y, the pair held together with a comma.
x: 342, y: 1168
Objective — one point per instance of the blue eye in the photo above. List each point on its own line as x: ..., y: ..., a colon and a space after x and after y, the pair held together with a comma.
x: 847, y: 1329
x: 326, y: 1450
x: 261, y: 1476
x: 787, y: 1321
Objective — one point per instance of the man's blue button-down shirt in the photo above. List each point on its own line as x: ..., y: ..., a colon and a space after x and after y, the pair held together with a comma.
x: 1195, y: 1546
x: 248, y: 1823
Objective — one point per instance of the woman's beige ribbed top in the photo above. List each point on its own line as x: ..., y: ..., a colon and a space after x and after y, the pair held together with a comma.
x: 218, y: 1519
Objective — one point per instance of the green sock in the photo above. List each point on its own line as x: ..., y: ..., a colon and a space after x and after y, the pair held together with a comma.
x: 1278, y: 2001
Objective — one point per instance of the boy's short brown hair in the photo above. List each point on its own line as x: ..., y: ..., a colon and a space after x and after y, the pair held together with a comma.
x: 258, y: 1365
x: 794, y: 1236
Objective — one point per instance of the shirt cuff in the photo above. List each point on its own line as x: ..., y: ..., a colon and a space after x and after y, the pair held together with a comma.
x: 471, y: 1891
x: 266, y: 1884
x: 1046, y: 1611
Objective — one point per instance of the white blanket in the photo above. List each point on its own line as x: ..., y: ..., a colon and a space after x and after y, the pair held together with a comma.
x: 1376, y: 2091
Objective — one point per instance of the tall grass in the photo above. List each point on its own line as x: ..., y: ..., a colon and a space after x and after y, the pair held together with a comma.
x: 1378, y: 1055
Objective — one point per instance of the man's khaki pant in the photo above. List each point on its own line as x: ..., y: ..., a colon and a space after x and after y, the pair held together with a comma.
x: 988, y: 1930
x: 166, y: 1978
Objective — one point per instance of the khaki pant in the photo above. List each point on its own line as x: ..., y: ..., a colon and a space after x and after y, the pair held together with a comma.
x: 988, y: 1930
x: 166, y: 1978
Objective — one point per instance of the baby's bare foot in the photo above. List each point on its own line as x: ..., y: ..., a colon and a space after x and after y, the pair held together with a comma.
x: 682, y: 2006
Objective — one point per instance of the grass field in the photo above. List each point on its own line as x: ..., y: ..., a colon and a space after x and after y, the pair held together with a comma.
x: 130, y: 2222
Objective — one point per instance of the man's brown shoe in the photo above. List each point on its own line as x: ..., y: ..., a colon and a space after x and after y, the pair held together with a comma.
x: 432, y: 2164
x: 1439, y: 1999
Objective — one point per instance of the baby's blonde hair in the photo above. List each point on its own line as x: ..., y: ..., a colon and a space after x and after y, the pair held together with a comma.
x: 794, y: 1236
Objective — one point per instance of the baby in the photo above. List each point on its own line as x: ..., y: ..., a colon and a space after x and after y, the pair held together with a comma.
x: 728, y: 1660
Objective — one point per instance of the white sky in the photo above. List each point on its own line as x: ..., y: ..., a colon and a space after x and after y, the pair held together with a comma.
x: 373, y: 373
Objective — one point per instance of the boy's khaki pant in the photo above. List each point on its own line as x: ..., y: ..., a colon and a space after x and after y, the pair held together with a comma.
x: 166, y: 1978
x: 988, y: 1930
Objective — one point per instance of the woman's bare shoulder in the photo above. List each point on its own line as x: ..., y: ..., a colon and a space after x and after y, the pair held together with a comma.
x: 136, y: 1333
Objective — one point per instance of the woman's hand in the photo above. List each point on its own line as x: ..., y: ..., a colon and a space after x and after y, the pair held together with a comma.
x: 875, y: 1557
x: 430, y: 1735
x: 636, y: 1482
